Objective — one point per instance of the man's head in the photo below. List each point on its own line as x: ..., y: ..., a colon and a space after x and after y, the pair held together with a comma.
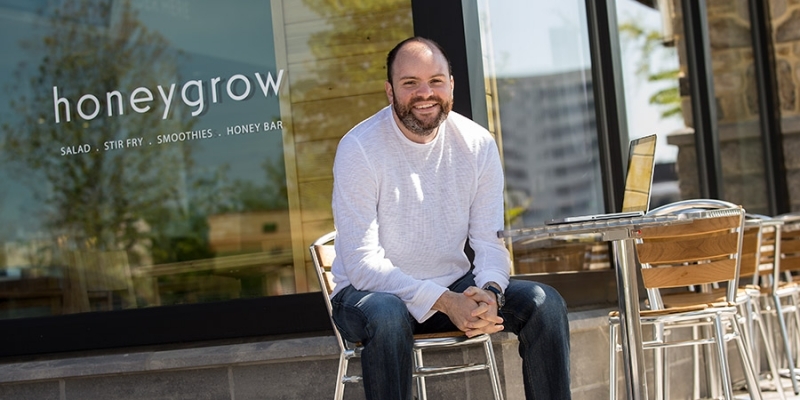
x: 419, y: 86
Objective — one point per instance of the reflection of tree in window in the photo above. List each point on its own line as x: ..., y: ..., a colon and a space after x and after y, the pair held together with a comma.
x: 350, y: 57
x: 118, y: 199
x: 650, y: 43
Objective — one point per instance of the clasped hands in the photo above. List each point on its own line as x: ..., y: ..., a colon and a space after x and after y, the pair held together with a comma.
x: 474, y: 311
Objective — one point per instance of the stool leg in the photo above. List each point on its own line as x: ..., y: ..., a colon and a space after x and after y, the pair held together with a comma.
x: 724, y: 370
x: 695, y: 365
x: 768, y: 347
x: 422, y: 391
x: 660, y: 365
x: 612, y: 361
x: 779, y: 314
x: 494, y: 375
x: 712, y: 364
x: 343, y: 362
x: 747, y: 364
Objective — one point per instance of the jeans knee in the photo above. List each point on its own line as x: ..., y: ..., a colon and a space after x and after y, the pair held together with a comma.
x: 533, y: 300
x: 363, y: 316
x: 552, y: 303
x: 388, y: 317
x: 552, y: 309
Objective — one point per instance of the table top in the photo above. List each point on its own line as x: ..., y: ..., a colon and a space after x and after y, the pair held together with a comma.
x: 611, y: 229
x: 591, y: 227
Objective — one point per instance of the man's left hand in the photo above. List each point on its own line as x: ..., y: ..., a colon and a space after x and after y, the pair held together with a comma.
x: 486, y: 310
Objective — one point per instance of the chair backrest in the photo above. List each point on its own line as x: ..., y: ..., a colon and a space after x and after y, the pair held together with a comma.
x: 751, y: 251
x: 322, y: 254
x: 768, y: 272
x: 789, y: 245
x: 705, y: 250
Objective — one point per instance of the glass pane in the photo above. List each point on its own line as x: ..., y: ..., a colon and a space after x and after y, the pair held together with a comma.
x: 542, y: 70
x: 539, y: 69
x: 654, y: 33
x: 651, y: 75
x: 152, y: 151
x: 336, y: 59
x: 785, y: 22
x: 736, y: 99
x: 142, y: 155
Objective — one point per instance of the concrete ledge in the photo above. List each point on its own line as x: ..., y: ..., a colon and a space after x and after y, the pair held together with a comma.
x: 242, y: 371
x: 162, y: 360
x: 284, y: 350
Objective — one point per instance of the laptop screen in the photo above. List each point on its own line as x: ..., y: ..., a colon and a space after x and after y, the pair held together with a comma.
x: 639, y: 179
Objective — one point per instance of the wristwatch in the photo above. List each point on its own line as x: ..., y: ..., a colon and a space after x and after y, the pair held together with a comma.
x: 501, y: 298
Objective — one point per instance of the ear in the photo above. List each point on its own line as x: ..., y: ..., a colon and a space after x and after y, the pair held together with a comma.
x: 387, y: 86
x: 452, y: 85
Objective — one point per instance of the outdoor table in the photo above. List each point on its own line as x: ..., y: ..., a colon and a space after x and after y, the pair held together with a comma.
x: 621, y: 233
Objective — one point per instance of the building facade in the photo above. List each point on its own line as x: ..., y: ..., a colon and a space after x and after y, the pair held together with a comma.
x: 166, y: 164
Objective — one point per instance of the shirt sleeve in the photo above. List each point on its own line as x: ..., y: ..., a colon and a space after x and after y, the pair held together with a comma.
x: 360, y: 256
x: 492, y: 261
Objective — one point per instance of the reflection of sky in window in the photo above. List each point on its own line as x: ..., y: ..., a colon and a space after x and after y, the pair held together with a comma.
x: 30, y: 6
x: 643, y: 118
x: 535, y: 37
x: 218, y: 40
x: 539, y: 37
x: 240, y: 32
x: 16, y: 201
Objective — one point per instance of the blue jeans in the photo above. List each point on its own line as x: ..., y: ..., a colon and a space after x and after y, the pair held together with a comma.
x: 535, y: 312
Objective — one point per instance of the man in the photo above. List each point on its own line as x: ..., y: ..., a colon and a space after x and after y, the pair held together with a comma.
x: 411, y: 184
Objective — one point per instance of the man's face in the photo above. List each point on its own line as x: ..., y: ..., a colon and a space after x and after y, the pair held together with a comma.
x: 421, y: 91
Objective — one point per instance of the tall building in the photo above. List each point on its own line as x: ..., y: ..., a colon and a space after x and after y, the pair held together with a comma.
x: 550, y: 145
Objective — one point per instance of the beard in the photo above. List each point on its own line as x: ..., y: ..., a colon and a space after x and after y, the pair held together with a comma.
x: 417, y: 126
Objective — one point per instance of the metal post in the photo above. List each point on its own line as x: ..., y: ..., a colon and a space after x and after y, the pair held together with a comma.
x: 630, y: 326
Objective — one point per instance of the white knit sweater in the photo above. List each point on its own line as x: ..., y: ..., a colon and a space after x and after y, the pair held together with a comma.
x: 404, y: 210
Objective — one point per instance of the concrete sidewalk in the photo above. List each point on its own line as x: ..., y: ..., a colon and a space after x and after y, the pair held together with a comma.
x: 770, y: 394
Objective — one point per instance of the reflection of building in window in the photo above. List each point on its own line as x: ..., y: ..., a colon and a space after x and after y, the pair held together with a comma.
x: 257, y: 231
x: 550, y: 145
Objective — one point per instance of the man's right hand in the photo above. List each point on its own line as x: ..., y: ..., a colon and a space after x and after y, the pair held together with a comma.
x: 473, y: 312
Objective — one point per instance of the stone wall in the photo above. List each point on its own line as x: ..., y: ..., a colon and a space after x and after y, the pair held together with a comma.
x: 786, y: 40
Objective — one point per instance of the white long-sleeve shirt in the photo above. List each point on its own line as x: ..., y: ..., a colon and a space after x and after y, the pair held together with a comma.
x: 404, y: 210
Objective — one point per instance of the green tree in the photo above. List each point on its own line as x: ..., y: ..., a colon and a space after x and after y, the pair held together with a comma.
x: 96, y: 200
x: 649, y: 44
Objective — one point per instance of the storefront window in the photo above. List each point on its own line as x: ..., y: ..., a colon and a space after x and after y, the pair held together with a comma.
x: 651, y: 76
x: 539, y: 70
x: 542, y: 72
x: 142, y: 156
x: 658, y: 95
x: 174, y: 152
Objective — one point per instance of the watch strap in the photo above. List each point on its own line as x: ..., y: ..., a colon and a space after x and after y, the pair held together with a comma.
x: 498, y: 294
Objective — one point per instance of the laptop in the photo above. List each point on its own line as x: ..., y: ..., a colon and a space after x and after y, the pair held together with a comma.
x: 638, y: 184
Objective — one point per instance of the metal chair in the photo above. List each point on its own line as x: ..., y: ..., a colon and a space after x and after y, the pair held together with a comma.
x: 763, y: 285
x: 785, y: 253
x: 703, y: 251
x: 322, y: 254
x: 756, y: 275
